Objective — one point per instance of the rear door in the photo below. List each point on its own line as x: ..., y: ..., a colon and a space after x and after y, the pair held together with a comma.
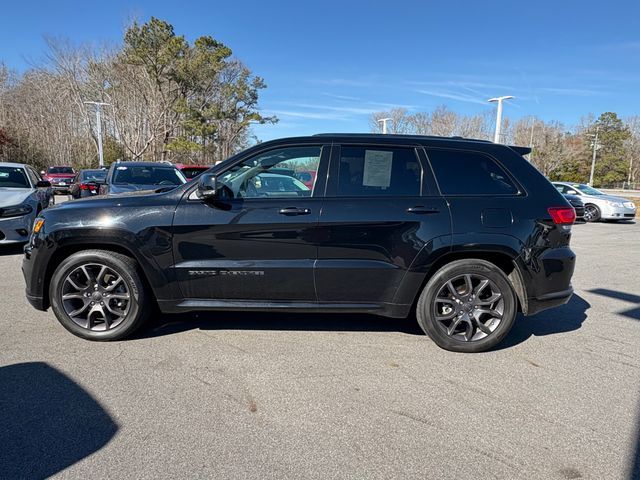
x: 380, y: 212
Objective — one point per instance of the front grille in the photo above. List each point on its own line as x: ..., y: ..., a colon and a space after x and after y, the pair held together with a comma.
x: 629, y: 215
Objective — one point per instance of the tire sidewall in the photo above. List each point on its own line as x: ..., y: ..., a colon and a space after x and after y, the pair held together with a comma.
x: 429, y: 324
x: 598, y: 214
x: 131, y: 278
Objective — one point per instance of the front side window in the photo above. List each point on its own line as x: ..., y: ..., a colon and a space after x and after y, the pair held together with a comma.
x: 378, y: 171
x: 13, y: 177
x: 273, y: 174
x: 460, y: 172
x: 147, y: 175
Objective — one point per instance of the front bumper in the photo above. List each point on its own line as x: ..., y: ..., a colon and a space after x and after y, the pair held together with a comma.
x: 618, y: 213
x: 15, y: 229
x: 34, y: 274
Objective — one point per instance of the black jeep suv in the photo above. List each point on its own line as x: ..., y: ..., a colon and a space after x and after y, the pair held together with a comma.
x: 466, y: 233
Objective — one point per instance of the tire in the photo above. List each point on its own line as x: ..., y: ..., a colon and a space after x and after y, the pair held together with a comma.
x: 438, y: 301
x: 115, y: 306
x: 592, y: 213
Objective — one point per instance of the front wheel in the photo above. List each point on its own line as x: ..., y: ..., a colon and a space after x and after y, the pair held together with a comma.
x: 591, y: 213
x: 98, y: 295
x: 467, y: 306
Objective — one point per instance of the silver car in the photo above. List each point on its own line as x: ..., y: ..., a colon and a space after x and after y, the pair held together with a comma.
x: 599, y: 205
x: 23, y: 194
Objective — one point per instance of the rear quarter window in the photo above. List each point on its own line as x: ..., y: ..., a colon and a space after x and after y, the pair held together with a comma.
x: 461, y: 172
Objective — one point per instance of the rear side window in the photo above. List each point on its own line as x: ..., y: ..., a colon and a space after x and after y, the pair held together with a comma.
x: 378, y: 171
x: 469, y: 173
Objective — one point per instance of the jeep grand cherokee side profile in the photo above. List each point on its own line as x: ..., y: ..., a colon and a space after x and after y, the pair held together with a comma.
x: 466, y: 233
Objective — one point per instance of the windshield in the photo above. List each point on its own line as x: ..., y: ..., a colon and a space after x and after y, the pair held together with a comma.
x: 55, y: 170
x: 93, y: 175
x: 147, y: 175
x: 587, y: 190
x: 192, y: 172
x: 13, y: 177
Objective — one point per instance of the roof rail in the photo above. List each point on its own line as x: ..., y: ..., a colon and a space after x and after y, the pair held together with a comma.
x: 392, y: 135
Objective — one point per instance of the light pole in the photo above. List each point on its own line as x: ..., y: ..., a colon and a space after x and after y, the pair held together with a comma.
x: 593, y: 158
x: 99, y: 129
x: 384, y: 123
x: 496, y: 137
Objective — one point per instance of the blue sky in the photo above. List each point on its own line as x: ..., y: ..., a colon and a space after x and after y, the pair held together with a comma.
x: 330, y: 64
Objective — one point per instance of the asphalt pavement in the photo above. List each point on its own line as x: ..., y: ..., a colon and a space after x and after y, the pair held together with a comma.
x: 233, y: 395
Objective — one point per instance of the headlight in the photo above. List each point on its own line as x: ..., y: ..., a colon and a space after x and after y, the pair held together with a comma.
x: 16, y: 211
x: 614, y: 204
x: 629, y: 204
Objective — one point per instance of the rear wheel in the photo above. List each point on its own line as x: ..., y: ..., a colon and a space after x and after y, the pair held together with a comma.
x: 467, y: 306
x: 591, y: 213
x: 98, y: 295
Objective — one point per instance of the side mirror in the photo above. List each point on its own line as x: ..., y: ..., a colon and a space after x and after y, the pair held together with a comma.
x: 43, y: 184
x: 207, y: 186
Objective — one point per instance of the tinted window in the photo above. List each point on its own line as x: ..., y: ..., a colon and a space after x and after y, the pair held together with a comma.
x: 147, y: 175
x: 93, y: 175
x: 60, y: 170
x: 378, y: 171
x: 35, y: 178
x: 192, y: 172
x: 13, y: 177
x: 469, y: 173
x: 272, y: 174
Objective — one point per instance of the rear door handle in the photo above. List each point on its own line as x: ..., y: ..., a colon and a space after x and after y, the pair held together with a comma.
x: 295, y: 211
x: 419, y: 209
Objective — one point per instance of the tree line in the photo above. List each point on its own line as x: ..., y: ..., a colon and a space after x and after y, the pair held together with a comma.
x: 558, y: 152
x: 167, y: 99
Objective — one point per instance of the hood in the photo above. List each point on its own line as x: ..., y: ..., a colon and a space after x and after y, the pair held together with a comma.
x: 128, y: 188
x: 13, y: 196
x: 610, y: 198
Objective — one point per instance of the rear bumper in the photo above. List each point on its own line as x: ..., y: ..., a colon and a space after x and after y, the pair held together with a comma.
x: 548, y: 300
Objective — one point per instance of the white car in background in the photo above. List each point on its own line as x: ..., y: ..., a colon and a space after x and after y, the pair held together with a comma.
x: 599, y: 205
x: 23, y: 195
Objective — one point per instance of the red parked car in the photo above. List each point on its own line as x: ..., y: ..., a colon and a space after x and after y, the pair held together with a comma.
x: 61, y: 178
x: 308, y: 177
x: 191, y: 171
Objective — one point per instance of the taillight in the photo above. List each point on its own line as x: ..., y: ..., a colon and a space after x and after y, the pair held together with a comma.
x: 562, y: 215
x: 84, y: 186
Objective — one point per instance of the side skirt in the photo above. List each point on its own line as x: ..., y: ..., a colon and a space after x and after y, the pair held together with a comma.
x: 193, y: 304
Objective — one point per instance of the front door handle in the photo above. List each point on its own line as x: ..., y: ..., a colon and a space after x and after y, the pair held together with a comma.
x: 294, y: 211
x: 419, y: 209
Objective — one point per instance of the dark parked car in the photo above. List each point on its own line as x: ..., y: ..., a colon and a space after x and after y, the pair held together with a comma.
x: 466, y: 233
x: 87, y: 183
x: 139, y: 176
x: 576, y: 202
x: 59, y: 177
x: 191, y: 171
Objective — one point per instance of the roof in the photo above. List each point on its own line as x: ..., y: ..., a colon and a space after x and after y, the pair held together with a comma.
x: 11, y: 164
x: 133, y: 163
x: 381, y: 136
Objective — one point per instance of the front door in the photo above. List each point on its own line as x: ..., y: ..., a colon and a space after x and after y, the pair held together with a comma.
x: 380, y: 212
x: 258, y: 242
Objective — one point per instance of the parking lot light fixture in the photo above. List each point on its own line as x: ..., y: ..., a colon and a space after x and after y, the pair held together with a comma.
x: 384, y: 123
x: 499, y: 100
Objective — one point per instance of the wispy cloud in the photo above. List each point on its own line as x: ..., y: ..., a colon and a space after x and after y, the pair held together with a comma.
x: 309, y: 115
x: 575, y: 92
x: 341, y: 97
x: 459, y: 96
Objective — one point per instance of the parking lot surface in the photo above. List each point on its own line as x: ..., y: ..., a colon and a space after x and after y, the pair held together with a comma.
x: 246, y: 395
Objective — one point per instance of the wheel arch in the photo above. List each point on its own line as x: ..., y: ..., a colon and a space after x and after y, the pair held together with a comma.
x: 505, y: 260
x: 67, y: 250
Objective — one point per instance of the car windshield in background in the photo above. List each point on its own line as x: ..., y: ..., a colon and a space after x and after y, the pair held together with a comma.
x: 192, y: 172
x: 55, y: 170
x: 587, y: 190
x: 94, y: 175
x: 147, y: 175
x: 13, y: 177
